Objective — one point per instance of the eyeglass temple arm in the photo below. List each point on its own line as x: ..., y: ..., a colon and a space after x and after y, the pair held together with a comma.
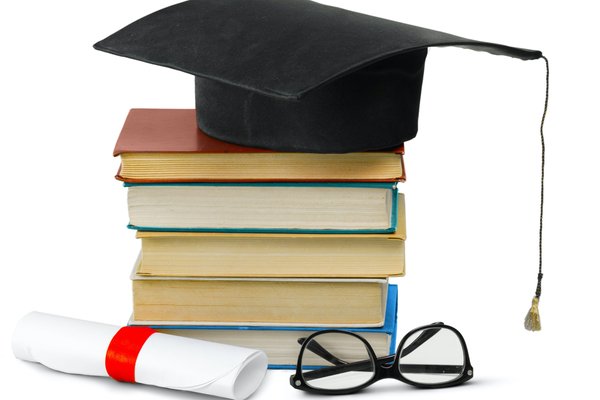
x: 320, y: 351
x: 363, y: 365
x: 422, y: 338
x: 366, y: 365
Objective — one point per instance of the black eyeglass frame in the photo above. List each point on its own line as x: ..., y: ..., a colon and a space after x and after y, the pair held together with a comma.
x: 382, y: 367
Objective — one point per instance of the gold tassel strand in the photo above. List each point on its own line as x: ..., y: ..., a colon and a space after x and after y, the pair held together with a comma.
x: 532, y: 319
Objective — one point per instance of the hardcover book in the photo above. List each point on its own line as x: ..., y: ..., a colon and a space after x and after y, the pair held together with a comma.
x: 165, y: 145
x: 264, y: 207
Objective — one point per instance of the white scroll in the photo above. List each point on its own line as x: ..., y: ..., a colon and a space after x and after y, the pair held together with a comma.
x: 80, y: 347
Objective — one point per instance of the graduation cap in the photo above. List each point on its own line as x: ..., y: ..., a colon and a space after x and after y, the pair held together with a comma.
x: 295, y: 75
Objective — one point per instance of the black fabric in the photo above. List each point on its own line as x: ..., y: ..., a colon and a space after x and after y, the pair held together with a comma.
x: 294, y: 75
x: 355, y: 112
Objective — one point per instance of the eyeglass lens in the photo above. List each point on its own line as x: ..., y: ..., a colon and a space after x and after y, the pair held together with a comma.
x: 336, y: 361
x: 432, y: 356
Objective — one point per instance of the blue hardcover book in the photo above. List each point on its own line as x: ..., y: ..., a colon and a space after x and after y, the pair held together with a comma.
x: 264, y: 207
x: 280, y: 343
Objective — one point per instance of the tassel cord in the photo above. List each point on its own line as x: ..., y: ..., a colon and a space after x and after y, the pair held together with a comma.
x: 532, y: 319
x: 538, y: 290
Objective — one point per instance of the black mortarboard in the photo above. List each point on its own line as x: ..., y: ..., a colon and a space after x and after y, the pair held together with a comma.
x: 294, y: 75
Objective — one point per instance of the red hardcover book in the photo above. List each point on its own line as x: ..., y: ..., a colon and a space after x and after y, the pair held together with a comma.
x: 165, y: 145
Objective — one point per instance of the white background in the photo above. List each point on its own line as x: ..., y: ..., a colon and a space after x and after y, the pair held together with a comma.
x: 472, y: 190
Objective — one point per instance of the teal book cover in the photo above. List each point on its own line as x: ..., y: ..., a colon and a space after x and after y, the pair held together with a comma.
x: 322, y: 208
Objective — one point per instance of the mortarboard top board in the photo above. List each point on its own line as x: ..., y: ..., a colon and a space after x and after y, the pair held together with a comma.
x: 294, y: 75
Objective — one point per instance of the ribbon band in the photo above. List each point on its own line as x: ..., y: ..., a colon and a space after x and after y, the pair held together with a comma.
x: 123, y: 351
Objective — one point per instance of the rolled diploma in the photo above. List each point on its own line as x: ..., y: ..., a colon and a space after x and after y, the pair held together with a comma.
x: 79, y: 347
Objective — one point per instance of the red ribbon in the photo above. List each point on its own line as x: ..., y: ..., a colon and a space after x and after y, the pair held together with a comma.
x: 123, y: 351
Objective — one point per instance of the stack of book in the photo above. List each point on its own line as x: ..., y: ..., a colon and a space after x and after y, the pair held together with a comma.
x: 258, y: 248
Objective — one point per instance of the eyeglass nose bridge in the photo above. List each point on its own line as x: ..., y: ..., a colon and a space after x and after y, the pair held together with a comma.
x: 387, y: 370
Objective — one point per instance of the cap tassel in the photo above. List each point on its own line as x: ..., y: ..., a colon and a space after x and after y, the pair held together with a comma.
x: 532, y: 319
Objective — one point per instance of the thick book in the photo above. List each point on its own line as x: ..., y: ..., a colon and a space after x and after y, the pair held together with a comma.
x: 259, y: 301
x: 281, y: 343
x: 355, y: 207
x: 165, y: 145
x: 201, y: 254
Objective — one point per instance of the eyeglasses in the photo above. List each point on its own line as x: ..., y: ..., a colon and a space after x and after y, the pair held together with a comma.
x: 342, y: 362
